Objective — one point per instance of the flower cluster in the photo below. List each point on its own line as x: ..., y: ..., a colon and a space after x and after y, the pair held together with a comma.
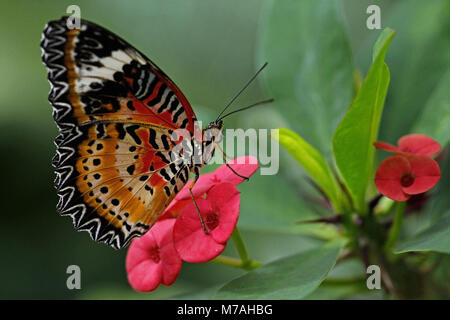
x: 179, y: 234
x: 411, y: 170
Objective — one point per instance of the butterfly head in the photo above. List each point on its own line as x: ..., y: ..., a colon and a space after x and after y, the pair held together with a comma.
x: 213, y: 132
x: 215, y: 124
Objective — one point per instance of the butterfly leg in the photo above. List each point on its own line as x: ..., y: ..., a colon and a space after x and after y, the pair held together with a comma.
x: 239, y: 175
x: 224, y: 157
x: 195, y: 203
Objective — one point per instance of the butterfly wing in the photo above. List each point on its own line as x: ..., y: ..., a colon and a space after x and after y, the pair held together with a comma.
x: 116, y: 111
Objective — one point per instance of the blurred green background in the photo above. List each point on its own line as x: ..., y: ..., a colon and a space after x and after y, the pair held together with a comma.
x: 210, y: 49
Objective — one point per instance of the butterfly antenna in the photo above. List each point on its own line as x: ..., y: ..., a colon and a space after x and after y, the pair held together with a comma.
x: 245, y: 108
x: 240, y: 91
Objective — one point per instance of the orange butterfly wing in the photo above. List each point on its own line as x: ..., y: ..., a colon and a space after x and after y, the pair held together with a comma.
x: 116, y: 111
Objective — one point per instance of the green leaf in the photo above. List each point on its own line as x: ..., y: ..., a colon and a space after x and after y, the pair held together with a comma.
x: 434, y: 238
x: 440, y: 201
x: 314, y: 163
x: 435, y: 117
x: 292, y: 277
x: 333, y: 291
x: 352, y: 141
x: 310, y: 76
x: 417, y: 61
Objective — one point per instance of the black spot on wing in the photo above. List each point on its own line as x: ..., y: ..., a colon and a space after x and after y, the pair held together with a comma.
x: 177, y: 114
x: 166, y: 102
x: 167, y: 190
x: 184, y: 123
x: 130, y: 105
x: 120, y: 130
x: 164, y: 174
x: 162, y: 156
x: 130, y: 169
x: 165, y: 141
x: 132, y: 132
x: 152, y: 138
x: 158, y: 97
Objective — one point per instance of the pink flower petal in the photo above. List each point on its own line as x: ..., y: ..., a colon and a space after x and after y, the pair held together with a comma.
x: 418, y: 144
x: 245, y: 166
x: 143, y: 273
x: 388, y: 177
x: 426, y: 174
x: 191, y: 242
x: 152, y: 259
x: 171, y: 261
x: 203, y: 184
x: 385, y: 146
x: 226, y: 202
x: 146, y: 276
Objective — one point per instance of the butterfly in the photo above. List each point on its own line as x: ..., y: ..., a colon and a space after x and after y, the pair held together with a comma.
x: 119, y: 117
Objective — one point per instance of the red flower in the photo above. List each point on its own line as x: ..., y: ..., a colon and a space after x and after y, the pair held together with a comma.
x: 152, y: 259
x: 412, y: 144
x: 411, y: 171
x: 245, y: 166
x: 220, y: 213
x: 157, y: 256
x: 398, y: 177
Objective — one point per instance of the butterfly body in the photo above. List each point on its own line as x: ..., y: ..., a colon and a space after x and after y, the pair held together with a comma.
x: 120, y: 119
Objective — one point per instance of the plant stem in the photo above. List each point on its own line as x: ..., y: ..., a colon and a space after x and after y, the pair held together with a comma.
x: 244, y: 262
x: 396, y: 225
x: 237, y: 263
x: 240, y: 246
